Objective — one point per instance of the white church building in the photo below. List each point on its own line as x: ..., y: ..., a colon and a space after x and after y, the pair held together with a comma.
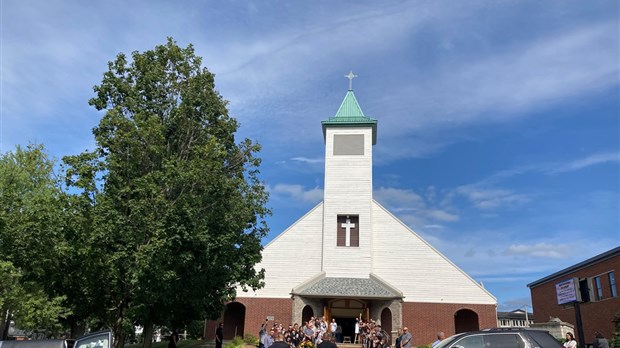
x: 367, y: 262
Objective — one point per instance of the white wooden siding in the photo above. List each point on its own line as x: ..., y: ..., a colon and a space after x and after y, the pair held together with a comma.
x: 292, y: 257
x: 348, y: 190
x: 403, y: 259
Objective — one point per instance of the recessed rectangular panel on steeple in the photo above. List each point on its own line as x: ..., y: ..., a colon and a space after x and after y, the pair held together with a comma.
x: 349, y: 144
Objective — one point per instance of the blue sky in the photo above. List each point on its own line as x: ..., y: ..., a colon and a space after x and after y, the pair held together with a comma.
x: 498, y: 121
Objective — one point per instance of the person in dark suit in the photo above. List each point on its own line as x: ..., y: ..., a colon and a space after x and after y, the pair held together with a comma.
x: 174, y: 339
x: 278, y: 338
x: 219, y: 335
x: 327, y: 342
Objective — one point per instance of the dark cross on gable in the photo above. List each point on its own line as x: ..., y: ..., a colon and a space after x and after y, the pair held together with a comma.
x: 350, y: 76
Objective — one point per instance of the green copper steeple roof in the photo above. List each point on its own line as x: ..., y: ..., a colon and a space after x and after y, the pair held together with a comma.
x: 350, y: 114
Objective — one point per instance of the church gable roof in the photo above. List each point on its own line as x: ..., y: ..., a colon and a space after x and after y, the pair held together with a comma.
x: 350, y: 114
x: 371, y: 287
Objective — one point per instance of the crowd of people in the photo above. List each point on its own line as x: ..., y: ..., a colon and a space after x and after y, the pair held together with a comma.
x: 370, y: 334
x: 317, y: 332
x: 323, y: 334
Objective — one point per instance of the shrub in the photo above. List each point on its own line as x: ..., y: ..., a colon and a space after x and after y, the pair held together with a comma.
x: 250, y: 339
x: 614, y: 342
x: 236, y: 342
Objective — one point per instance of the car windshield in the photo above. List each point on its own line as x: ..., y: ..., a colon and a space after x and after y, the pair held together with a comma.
x: 447, y: 341
x: 542, y: 339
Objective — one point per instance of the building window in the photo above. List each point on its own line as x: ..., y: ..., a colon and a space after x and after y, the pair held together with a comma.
x: 585, y: 284
x: 598, y: 288
x: 348, y: 231
x: 612, y: 284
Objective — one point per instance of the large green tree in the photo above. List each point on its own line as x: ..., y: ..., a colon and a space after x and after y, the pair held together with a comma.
x: 82, y: 285
x: 179, y: 217
x: 32, y: 240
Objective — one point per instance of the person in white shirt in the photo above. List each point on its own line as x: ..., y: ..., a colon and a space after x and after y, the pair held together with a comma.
x: 570, y: 341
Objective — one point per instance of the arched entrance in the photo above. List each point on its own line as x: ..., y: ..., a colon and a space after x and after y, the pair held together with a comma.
x: 466, y: 320
x: 386, y: 323
x: 306, y: 314
x: 345, y: 311
x: 234, y: 319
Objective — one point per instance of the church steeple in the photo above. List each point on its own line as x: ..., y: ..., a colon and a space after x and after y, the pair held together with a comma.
x: 350, y: 114
x: 347, y: 195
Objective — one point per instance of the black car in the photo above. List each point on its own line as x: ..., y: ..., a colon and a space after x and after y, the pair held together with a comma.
x: 501, y: 338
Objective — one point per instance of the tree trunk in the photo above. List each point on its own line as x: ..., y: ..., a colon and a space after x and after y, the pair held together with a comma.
x: 147, y: 335
x: 4, y: 324
x: 117, y: 330
x: 78, y: 328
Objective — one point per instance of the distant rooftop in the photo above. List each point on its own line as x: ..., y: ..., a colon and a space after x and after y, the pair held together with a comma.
x: 516, y: 314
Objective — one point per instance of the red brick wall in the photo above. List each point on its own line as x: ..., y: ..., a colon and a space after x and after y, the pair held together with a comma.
x: 256, y: 310
x: 596, y: 315
x: 424, y: 320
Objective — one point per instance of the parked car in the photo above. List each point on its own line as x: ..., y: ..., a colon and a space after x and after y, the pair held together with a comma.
x: 101, y: 339
x: 501, y: 338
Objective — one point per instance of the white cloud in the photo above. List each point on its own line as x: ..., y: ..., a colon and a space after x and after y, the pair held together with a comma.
x: 499, y: 87
x: 542, y: 250
x: 297, y: 192
x: 398, y: 198
x: 434, y: 227
x: 308, y: 160
x: 582, y: 163
x: 554, y: 167
x: 262, y: 67
x: 555, y: 66
x: 414, y: 209
x: 441, y: 215
x: 491, y: 198
x: 485, y: 194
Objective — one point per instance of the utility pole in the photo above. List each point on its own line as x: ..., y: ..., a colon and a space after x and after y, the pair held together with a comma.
x: 582, y: 340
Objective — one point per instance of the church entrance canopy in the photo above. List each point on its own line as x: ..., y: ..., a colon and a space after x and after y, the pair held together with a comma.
x: 371, y: 288
x: 349, y: 299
